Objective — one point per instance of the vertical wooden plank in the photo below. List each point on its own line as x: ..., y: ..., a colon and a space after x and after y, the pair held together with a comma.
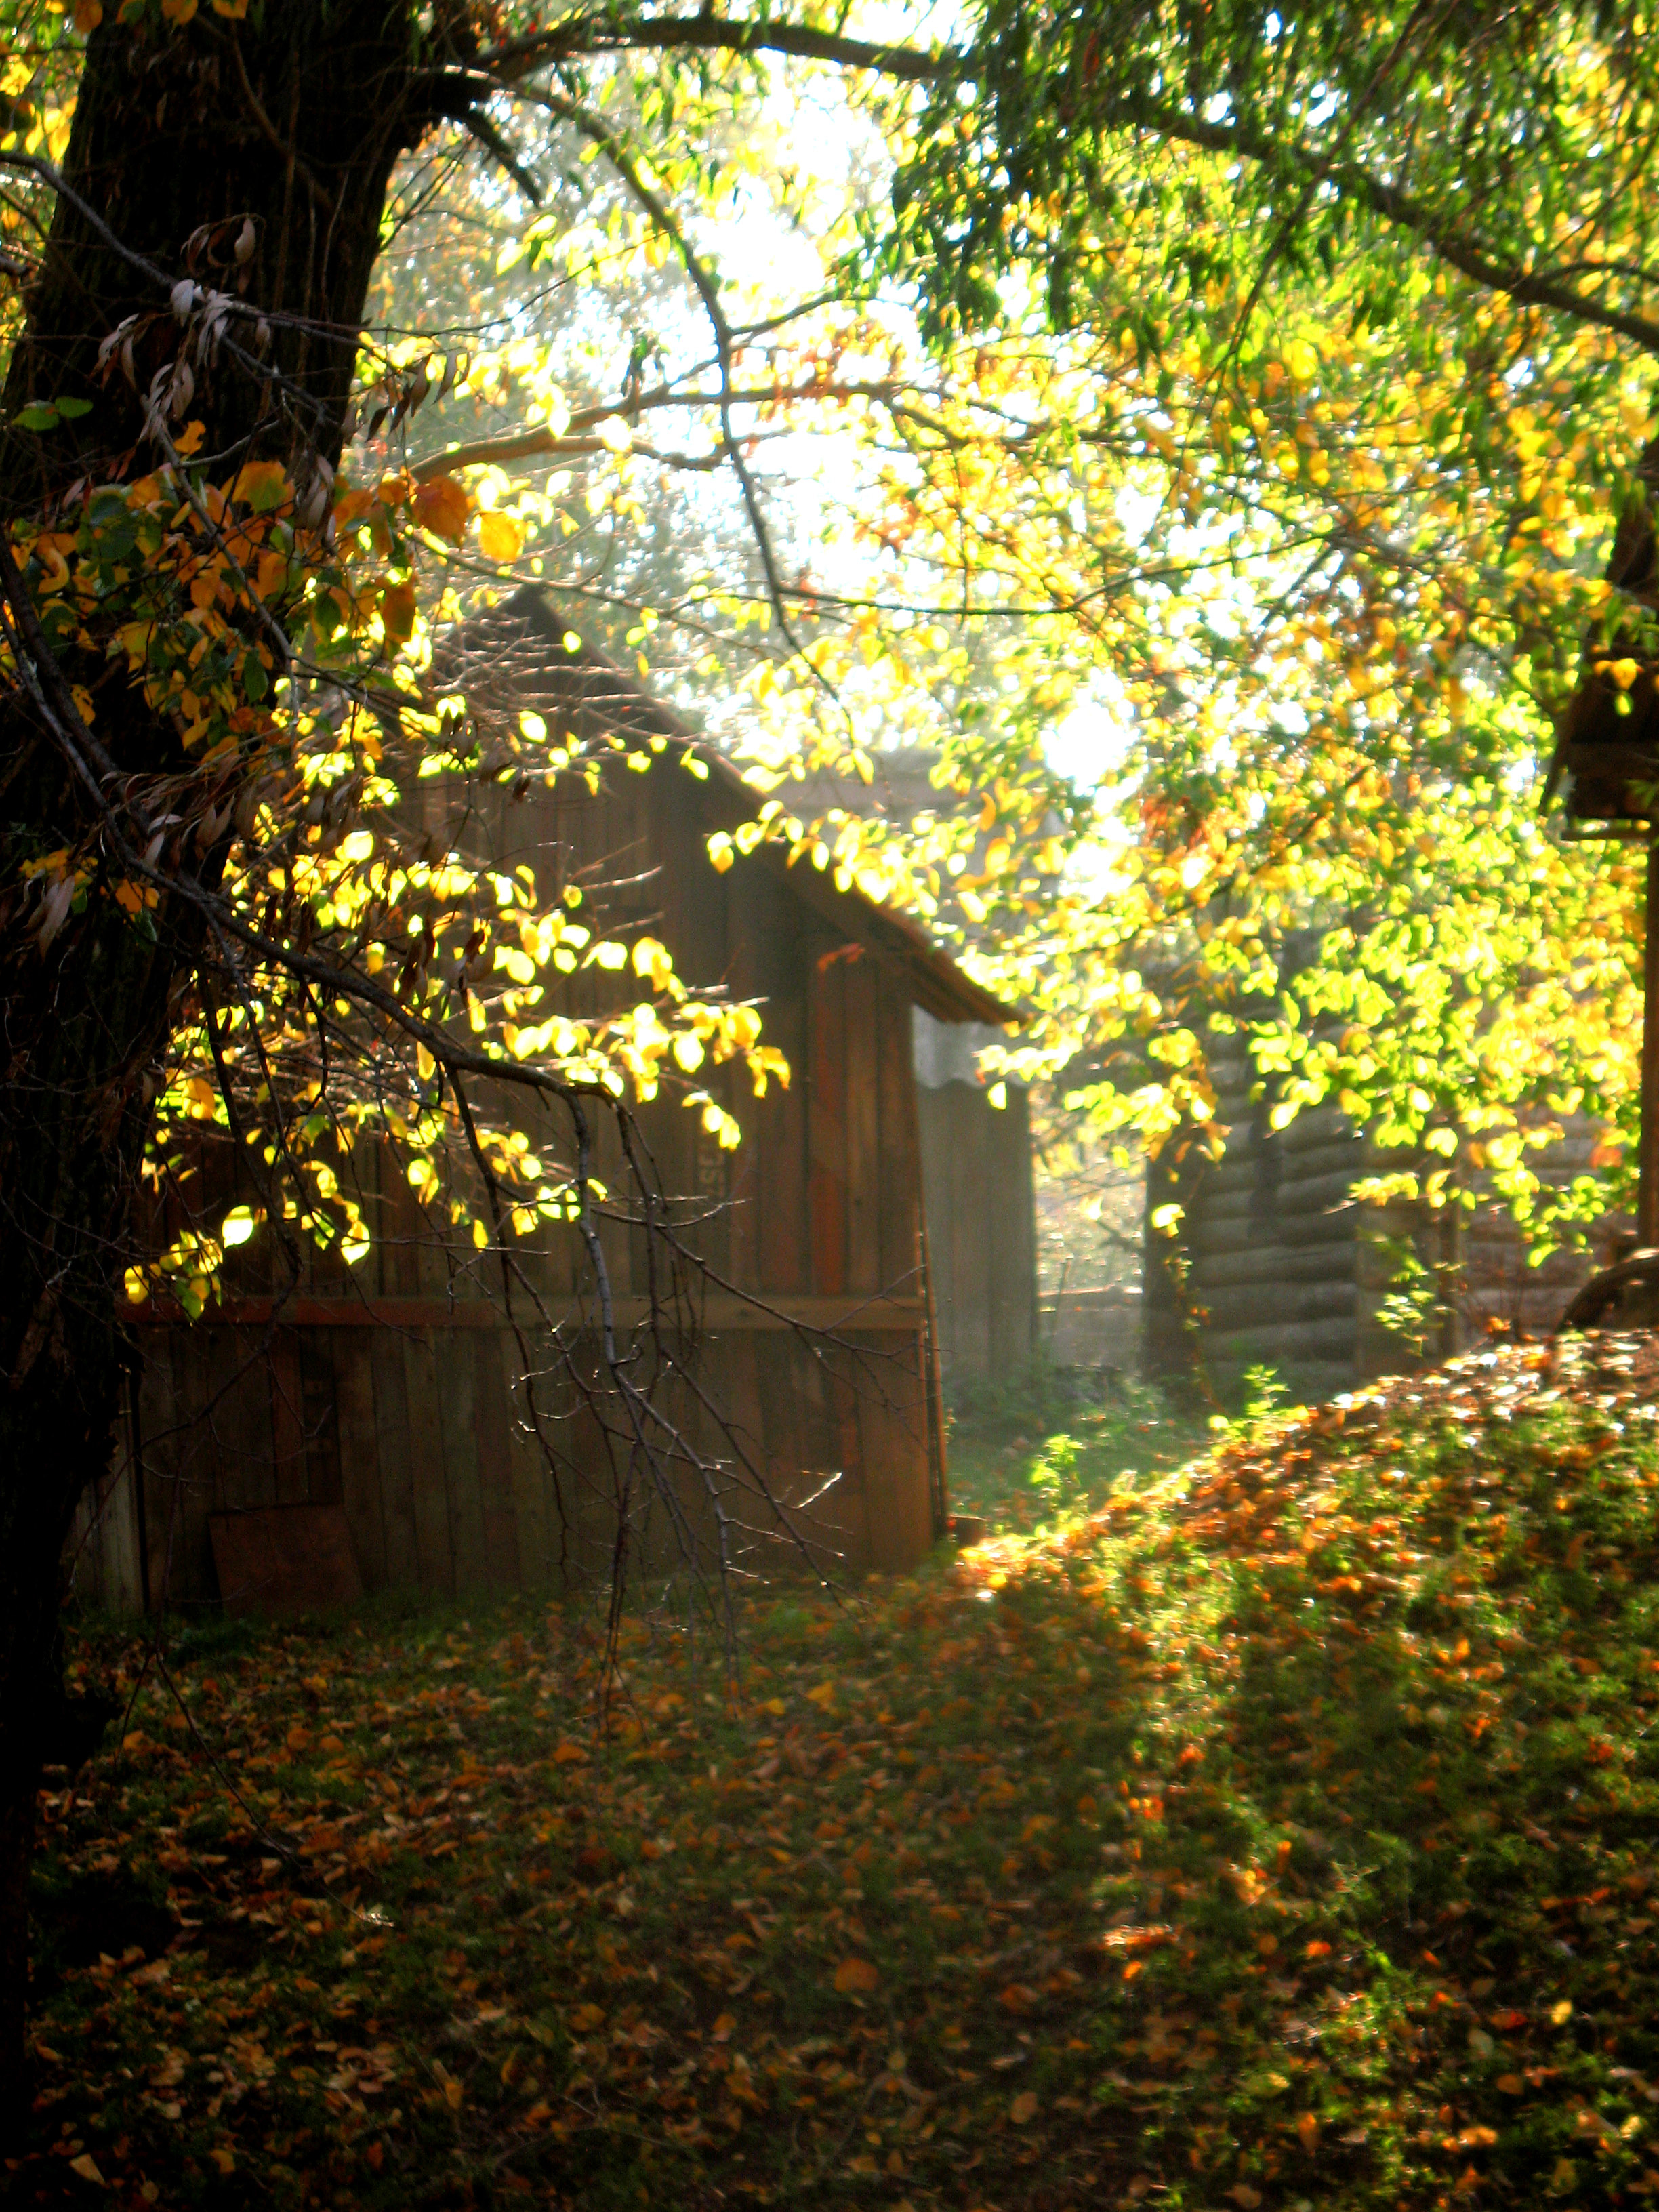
x: 158, y: 1447
x: 458, y: 1401
x: 190, y: 1581
x: 860, y: 1092
x: 493, y: 1428
x: 243, y: 1419
x: 359, y: 1452
x: 893, y: 1442
x: 320, y: 1416
x: 429, y: 1491
x: 826, y: 1122
x: 853, y: 1501
x: 287, y: 1417
x: 731, y: 1373
x: 794, y: 1466
x: 899, y: 1170
x: 785, y: 1262
x: 121, y: 1589
x: 974, y: 1227
x: 1012, y: 1235
x: 387, y: 1363
x: 533, y: 1503
x: 934, y: 1149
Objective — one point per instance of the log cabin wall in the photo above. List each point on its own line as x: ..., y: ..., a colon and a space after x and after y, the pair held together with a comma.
x: 1284, y: 1267
x: 1273, y: 1270
x: 388, y: 1390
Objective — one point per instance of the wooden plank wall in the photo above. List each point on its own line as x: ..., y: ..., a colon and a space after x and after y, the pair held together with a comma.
x: 412, y: 1428
x: 976, y: 1175
x: 424, y: 1444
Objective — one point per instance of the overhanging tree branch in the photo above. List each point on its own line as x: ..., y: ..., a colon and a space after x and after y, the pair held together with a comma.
x: 1449, y: 244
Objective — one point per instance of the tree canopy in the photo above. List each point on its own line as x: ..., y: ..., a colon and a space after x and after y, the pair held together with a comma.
x: 1233, y: 405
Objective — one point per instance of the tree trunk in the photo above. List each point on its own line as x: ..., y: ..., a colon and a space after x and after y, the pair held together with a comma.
x: 293, y: 118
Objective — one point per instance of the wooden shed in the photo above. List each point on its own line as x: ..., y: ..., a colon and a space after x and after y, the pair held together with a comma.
x: 385, y: 1392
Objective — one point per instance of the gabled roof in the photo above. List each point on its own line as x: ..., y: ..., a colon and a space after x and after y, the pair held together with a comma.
x: 586, y: 697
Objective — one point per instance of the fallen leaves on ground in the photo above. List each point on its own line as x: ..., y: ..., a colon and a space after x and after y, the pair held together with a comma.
x: 1281, y: 1832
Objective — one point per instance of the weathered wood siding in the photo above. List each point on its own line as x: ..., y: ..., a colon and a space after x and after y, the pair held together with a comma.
x: 386, y: 1389
x: 981, y: 1226
x: 405, y: 1419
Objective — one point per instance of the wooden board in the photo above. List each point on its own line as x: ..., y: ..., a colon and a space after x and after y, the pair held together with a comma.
x: 893, y: 1454
x: 899, y: 1169
x: 320, y: 1415
x: 826, y: 1117
x: 403, y: 1556
x: 288, y: 1418
x: 429, y: 1494
x: 198, y: 1373
x: 359, y: 1453
x: 284, y: 1560
x: 1011, y: 1226
x: 156, y: 1453
x: 493, y: 1353
x: 243, y: 1420
x: 862, y: 1106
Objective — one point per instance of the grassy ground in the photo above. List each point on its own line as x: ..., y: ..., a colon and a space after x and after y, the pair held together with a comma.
x: 1280, y: 1834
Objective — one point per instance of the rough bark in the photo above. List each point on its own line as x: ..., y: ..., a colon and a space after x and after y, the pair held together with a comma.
x: 294, y: 118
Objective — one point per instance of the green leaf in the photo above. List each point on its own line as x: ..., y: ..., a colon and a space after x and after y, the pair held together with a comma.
x: 38, y: 416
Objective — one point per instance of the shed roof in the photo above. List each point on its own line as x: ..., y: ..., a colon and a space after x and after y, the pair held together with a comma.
x: 1606, y: 740
x: 525, y: 651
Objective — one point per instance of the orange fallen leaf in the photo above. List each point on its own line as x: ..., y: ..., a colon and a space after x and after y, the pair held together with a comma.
x: 398, y: 612
x: 1023, y: 2108
x: 1511, y: 2084
x: 500, y: 537
x: 1307, y: 2127
x: 585, y: 2017
x: 442, y: 507
x: 568, y: 1754
x: 855, y: 1974
x: 87, y: 2167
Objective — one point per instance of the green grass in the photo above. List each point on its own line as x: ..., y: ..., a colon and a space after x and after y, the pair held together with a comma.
x: 1280, y: 1832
